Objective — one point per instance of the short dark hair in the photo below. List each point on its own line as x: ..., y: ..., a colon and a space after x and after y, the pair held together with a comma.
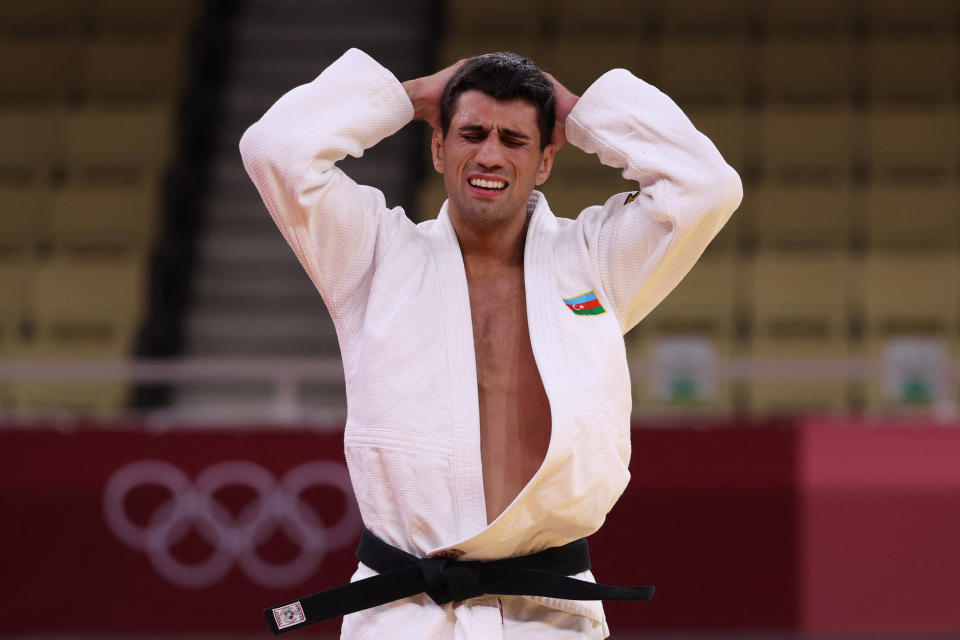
x: 503, y: 76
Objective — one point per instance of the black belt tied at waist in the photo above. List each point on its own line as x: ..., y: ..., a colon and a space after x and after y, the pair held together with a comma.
x: 402, y: 575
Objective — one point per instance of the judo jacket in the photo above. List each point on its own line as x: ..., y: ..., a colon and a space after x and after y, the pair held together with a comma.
x: 397, y: 293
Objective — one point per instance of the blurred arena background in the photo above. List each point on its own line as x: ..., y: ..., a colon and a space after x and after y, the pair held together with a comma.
x: 171, y: 395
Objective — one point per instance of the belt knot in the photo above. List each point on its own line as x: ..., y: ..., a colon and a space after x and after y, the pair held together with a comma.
x: 450, y: 581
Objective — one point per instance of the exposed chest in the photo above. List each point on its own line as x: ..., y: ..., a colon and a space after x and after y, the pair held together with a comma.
x: 499, y: 314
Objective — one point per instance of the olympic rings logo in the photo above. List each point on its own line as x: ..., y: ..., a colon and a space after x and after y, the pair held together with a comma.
x: 277, y: 506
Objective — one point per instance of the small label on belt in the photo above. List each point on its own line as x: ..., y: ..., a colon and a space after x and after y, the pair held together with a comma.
x: 289, y: 615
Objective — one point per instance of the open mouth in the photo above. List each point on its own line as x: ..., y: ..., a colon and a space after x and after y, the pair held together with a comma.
x: 488, y: 185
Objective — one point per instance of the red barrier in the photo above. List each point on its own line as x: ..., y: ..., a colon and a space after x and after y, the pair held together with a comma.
x: 709, y: 518
x: 94, y: 542
x: 767, y: 527
x: 881, y: 527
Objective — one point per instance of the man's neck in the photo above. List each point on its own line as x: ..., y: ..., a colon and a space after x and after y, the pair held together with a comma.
x: 501, y: 245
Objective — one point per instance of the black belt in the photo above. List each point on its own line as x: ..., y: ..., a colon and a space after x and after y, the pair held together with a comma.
x: 402, y: 575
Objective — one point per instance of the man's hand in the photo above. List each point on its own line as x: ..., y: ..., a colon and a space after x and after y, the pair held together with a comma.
x: 564, y: 100
x: 425, y: 93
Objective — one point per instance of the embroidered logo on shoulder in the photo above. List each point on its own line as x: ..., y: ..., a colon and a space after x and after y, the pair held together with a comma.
x: 586, y: 304
x: 631, y: 198
x: 289, y: 615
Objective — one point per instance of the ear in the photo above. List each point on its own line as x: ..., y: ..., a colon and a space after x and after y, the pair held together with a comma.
x: 546, y: 163
x: 436, y: 150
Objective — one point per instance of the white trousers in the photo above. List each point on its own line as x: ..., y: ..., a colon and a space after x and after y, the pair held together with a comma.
x: 483, y: 618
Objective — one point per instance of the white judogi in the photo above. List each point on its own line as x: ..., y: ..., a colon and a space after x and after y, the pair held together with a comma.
x: 398, y: 296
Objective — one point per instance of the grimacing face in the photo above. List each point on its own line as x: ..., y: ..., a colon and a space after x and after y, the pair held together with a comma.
x: 490, y: 159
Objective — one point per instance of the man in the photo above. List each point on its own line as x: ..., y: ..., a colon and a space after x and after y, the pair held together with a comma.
x: 487, y: 383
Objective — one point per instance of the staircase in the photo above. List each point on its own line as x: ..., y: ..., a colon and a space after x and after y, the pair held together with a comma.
x: 250, y: 297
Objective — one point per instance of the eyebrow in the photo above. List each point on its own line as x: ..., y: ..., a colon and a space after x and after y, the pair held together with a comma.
x: 480, y: 128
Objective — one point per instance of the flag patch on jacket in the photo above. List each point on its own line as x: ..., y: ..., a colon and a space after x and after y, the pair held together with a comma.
x: 585, y: 304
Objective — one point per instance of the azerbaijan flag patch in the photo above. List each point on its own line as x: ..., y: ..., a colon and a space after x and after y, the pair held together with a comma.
x: 585, y: 304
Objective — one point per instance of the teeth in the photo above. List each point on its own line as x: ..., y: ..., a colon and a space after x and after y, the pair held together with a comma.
x: 488, y: 184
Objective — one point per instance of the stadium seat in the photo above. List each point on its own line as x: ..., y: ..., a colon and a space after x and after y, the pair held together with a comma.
x: 704, y: 16
x: 913, y: 143
x: 15, y: 275
x: 105, y: 220
x: 807, y: 143
x: 703, y: 69
x: 132, y: 69
x: 50, y: 17
x: 808, y: 69
x: 896, y: 16
x: 800, y: 216
x: 32, y: 139
x: 143, y: 16
x: 24, y: 214
x: 618, y: 18
x: 684, y: 337
x: 85, y: 308
x: 578, y: 62
x: 808, y: 17
x: 908, y: 297
x: 912, y: 216
x: 39, y: 69
x: 117, y: 145
x: 463, y: 17
x: 726, y: 126
x: 799, y: 311
x: 913, y: 68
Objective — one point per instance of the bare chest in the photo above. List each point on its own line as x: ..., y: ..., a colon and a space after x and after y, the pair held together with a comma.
x: 514, y: 410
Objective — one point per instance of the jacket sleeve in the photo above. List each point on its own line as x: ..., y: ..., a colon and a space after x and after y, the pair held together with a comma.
x: 337, y: 228
x: 643, y: 244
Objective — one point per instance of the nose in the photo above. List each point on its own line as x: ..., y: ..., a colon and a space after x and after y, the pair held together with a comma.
x: 490, y: 153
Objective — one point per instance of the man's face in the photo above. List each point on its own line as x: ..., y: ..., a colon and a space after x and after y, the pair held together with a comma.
x: 490, y: 158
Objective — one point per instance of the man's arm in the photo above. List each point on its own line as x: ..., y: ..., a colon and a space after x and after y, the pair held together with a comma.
x: 335, y: 226
x: 643, y: 244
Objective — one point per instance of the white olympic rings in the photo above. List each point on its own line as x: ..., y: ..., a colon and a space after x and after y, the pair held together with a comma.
x: 234, y: 538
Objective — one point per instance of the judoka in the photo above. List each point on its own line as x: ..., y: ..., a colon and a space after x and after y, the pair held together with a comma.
x: 486, y: 376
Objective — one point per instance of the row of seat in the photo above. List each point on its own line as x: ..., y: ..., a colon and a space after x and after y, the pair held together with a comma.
x: 71, y: 306
x: 822, y: 293
x: 731, y: 69
x: 100, y: 70
x: 93, y: 144
x: 801, y: 306
x: 91, y: 219
x: 44, y: 17
x: 827, y: 144
x: 88, y: 90
x: 797, y: 305
x: 881, y: 291
x: 68, y: 308
x: 620, y: 17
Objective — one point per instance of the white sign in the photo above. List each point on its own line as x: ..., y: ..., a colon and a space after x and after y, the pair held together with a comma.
x: 914, y: 371
x: 684, y: 370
